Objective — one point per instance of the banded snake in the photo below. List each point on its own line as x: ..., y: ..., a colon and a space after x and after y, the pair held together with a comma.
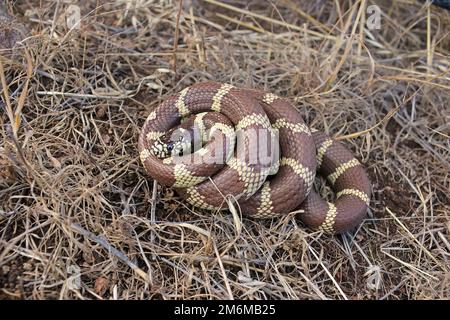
x: 230, y: 112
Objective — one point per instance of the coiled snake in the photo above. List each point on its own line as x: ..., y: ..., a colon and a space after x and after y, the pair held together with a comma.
x: 263, y: 125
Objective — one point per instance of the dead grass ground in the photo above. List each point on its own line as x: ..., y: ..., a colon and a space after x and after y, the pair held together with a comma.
x: 74, y: 195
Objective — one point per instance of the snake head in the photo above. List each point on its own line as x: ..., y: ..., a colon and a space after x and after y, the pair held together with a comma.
x: 170, y: 145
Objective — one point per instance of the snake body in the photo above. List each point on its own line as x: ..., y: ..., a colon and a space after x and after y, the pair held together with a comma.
x: 252, y: 115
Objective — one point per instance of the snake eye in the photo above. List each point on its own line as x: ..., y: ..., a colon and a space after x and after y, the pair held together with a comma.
x: 170, y: 147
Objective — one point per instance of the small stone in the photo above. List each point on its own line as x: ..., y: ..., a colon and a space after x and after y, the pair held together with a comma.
x: 101, y: 285
x: 6, y: 269
x: 27, y: 266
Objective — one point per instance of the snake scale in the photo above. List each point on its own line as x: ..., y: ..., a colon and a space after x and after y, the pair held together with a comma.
x: 241, y: 123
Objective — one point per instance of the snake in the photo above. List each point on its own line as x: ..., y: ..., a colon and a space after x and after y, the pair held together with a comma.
x: 252, y: 150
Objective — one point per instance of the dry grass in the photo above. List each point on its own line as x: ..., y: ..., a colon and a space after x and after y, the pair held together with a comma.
x: 73, y: 193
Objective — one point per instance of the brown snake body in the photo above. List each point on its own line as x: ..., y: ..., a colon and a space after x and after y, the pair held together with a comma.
x: 274, y: 123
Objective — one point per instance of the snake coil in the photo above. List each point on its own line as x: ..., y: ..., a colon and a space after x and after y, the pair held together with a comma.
x: 252, y: 115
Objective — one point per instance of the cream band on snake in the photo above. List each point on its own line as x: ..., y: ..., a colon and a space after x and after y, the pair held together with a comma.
x: 217, y: 99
